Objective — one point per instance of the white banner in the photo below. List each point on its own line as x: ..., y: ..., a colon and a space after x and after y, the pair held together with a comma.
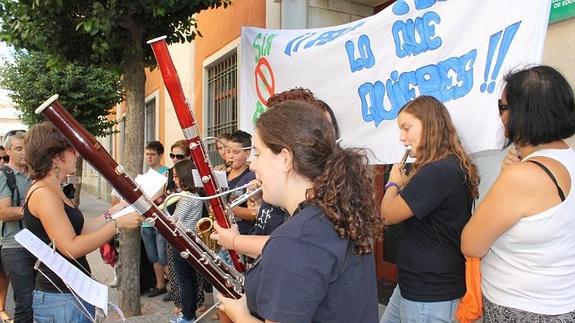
x: 457, y: 51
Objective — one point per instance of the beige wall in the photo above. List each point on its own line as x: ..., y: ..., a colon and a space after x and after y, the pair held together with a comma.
x: 559, y: 51
x: 324, y: 13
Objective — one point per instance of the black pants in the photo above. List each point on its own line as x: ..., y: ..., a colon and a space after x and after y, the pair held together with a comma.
x: 187, y: 280
x: 19, y: 266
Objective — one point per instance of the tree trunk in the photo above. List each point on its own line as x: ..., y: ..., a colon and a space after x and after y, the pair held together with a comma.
x: 129, y: 255
x: 78, y: 186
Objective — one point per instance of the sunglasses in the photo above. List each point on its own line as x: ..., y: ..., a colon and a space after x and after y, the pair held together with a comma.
x: 13, y: 132
x: 502, y: 107
x: 5, y: 158
x: 177, y: 156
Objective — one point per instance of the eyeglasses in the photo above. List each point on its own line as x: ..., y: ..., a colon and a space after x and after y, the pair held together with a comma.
x: 502, y: 107
x: 177, y: 156
x: 5, y: 158
x: 13, y: 132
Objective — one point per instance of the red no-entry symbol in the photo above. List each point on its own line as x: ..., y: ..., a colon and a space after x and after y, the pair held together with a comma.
x: 265, y: 81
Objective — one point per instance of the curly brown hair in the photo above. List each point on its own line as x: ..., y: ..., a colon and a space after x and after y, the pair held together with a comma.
x: 439, y: 139
x: 305, y: 95
x: 342, y: 182
x: 43, y: 143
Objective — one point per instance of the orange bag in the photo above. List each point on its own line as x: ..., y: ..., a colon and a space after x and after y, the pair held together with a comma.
x: 471, y: 306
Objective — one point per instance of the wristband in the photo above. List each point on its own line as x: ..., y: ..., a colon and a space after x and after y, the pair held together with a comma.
x: 391, y: 184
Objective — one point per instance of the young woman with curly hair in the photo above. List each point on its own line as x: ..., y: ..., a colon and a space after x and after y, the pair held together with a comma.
x: 318, y: 265
x: 434, y: 201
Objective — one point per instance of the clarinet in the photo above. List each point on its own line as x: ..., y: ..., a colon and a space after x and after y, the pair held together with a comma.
x: 191, y: 133
x: 223, y: 277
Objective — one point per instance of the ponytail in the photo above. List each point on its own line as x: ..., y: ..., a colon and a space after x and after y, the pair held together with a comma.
x: 344, y: 190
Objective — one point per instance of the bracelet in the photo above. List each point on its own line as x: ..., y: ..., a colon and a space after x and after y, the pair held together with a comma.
x: 234, y: 241
x: 117, y: 230
x: 391, y: 184
x: 107, y: 216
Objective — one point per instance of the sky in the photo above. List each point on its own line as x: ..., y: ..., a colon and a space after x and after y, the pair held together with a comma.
x: 4, y: 52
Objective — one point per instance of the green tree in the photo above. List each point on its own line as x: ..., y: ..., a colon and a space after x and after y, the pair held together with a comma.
x: 113, y: 33
x: 88, y: 92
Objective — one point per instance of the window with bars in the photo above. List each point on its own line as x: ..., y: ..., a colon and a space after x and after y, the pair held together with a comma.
x: 222, y: 101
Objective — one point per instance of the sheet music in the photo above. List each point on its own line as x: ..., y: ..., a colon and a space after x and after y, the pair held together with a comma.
x: 85, y: 287
x: 152, y: 183
x: 220, y: 176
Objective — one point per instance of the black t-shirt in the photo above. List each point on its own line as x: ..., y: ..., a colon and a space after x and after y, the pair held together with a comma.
x: 430, y: 264
x: 307, y: 273
x: 35, y: 226
x: 247, y: 176
x: 268, y: 219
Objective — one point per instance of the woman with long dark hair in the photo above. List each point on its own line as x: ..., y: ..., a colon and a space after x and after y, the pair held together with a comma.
x: 523, y: 228
x: 318, y: 265
x: 434, y: 202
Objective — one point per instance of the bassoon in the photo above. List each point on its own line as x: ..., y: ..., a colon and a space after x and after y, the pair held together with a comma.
x: 191, y: 133
x: 222, y: 276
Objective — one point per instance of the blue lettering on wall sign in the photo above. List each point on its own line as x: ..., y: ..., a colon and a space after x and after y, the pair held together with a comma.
x: 323, y: 38
x: 447, y: 80
x: 416, y: 37
x: 366, y: 58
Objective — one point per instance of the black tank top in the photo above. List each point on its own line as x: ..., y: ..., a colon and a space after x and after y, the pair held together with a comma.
x: 35, y: 226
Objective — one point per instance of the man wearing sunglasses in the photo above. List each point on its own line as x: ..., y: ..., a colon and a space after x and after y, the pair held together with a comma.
x: 4, y: 158
x: 18, y: 262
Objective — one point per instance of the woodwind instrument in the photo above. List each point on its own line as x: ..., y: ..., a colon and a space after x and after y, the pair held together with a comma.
x: 402, y: 164
x: 223, y: 277
x: 190, y: 129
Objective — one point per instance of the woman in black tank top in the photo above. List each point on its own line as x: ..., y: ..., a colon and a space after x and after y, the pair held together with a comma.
x: 52, y: 217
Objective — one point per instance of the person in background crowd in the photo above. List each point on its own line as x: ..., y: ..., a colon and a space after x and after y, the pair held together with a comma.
x: 18, y: 263
x: 318, y: 265
x: 434, y: 202
x: 523, y: 228
x: 179, y: 151
x: 53, y: 218
x: 240, y: 144
x: 4, y: 158
x: 4, y: 317
x: 154, y: 243
x: 223, y: 150
x: 188, y: 212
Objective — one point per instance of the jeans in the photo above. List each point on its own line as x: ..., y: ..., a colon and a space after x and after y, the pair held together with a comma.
x: 187, y: 279
x: 58, y: 307
x: 155, y: 245
x: 19, y: 266
x: 402, y: 310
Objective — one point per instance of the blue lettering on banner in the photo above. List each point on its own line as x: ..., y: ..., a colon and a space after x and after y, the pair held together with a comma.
x: 323, y: 38
x: 366, y: 58
x: 416, y: 37
x: 400, y: 7
x: 447, y: 80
